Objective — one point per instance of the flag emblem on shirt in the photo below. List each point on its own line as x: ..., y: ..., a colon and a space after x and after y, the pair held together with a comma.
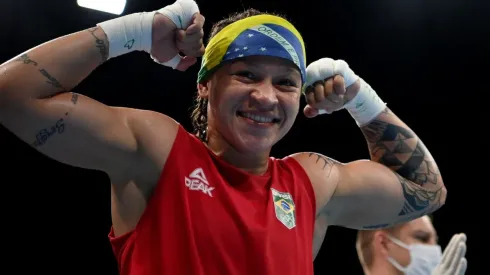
x: 284, y: 208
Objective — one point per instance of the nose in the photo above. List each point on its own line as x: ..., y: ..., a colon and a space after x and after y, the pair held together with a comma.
x: 264, y: 96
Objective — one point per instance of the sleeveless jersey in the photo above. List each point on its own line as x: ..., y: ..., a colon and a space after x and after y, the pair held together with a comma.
x: 207, y: 217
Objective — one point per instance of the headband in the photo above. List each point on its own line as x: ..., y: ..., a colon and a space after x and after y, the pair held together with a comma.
x: 265, y: 35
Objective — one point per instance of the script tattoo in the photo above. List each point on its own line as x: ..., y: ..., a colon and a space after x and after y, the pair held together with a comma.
x: 51, y: 80
x: 327, y: 163
x: 57, y: 128
x: 100, y: 44
x: 26, y: 59
x: 45, y: 134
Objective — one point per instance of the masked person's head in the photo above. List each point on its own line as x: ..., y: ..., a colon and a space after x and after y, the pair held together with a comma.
x: 408, y: 248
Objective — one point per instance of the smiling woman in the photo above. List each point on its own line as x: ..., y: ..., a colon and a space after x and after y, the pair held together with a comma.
x: 199, y: 113
x: 173, y: 195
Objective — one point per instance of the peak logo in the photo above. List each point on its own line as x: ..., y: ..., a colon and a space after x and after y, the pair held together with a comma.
x: 197, y: 182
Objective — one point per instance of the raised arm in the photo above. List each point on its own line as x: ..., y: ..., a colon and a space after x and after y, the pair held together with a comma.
x: 401, y: 181
x: 36, y: 105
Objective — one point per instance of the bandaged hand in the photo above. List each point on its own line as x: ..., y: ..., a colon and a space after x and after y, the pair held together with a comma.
x: 331, y: 85
x: 185, y: 35
x: 453, y: 261
x: 162, y: 33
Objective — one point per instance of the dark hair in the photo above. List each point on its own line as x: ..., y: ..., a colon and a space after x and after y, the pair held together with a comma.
x: 199, y: 114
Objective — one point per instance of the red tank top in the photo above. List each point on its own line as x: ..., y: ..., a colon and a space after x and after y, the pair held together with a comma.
x: 208, y: 217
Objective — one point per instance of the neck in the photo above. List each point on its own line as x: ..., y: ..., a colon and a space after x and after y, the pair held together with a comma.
x: 252, y: 162
x: 384, y: 268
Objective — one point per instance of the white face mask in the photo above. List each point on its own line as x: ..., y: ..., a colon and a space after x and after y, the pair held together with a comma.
x: 423, y: 258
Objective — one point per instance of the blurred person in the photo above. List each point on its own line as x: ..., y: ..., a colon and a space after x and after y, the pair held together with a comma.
x: 410, y: 248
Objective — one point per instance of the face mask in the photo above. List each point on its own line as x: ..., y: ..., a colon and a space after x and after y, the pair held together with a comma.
x: 423, y: 258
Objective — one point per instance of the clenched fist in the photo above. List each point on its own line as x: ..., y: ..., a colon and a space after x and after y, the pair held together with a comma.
x: 330, y: 85
x: 178, y: 28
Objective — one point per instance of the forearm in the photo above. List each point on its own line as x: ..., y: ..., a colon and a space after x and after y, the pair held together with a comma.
x: 53, y: 67
x: 393, y: 144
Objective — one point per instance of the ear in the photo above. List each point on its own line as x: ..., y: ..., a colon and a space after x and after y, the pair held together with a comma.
x: 203, y: 89
x: 381, y: 243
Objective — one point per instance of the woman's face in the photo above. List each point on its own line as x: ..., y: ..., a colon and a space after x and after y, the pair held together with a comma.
x: 253, y: 102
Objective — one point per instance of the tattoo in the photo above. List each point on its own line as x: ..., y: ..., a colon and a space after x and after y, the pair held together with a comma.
x: 58, y: 128
x: 399, y: 149
x: 328, y: 163
x: 129, y: 44
x: 45, y: 134
x: 27, y: 60
x: 418, y: 199
x: 100, y: 44
x: 74, y: 98
x: 418, y: 202
x: 51, y: 80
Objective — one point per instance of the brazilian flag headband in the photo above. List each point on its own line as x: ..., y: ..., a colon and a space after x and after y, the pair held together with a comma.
x: 264, y: 34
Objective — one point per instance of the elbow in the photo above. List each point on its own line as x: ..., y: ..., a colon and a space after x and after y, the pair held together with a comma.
x: 439, y: 199
x: 443, y: 196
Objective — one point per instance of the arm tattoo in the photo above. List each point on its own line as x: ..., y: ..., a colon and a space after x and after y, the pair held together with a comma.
x: 399, y: 149
x: 74, y: 98
x: 51, y: 80
x: 26, y: 60
x: 101, y: 45
x: 418, y: 202
x: 418, y: 199
x: 58, y: 127
x: 328, y: 163
x: 45, y: 134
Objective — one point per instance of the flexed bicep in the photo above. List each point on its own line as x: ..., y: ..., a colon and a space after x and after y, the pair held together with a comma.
x: 73, y: 129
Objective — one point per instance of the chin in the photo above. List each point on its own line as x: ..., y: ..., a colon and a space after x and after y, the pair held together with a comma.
x: 247, y: 143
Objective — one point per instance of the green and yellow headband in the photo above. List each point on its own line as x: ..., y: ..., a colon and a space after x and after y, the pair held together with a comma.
x: 265, y: 34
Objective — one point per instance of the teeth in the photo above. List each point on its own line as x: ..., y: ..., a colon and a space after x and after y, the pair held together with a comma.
x: 258, y: 118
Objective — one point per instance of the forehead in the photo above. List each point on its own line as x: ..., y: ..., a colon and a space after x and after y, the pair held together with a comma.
x: 267, y: 64
x: 422, y: 224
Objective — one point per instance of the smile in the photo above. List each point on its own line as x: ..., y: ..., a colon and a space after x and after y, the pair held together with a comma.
x: 258, y: 118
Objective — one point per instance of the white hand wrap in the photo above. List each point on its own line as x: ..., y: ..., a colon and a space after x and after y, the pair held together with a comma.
x: 326, y: 67
x: 129, y: 33
x: 365, y: 106
x: 181, y: 13
x: 133, y: 32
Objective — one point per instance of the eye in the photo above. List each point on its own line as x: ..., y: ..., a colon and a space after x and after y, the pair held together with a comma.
x: 423, y: 238
x: 287, y: 82
x: 246, y: 74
